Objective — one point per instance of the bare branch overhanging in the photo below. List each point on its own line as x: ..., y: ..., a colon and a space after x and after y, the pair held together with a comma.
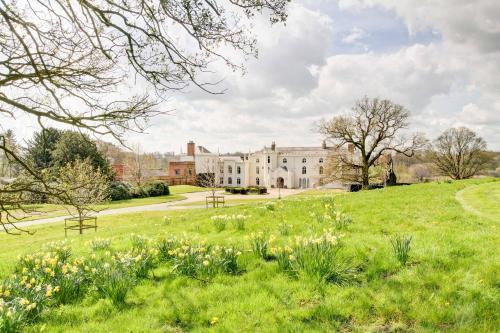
x: 67, y: 61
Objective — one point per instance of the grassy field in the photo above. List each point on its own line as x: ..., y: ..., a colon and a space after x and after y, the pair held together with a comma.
x: 51, y: 210
x: 449, y: 284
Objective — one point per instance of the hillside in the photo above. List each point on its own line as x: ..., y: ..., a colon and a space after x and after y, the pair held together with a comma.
x: 329, y: 265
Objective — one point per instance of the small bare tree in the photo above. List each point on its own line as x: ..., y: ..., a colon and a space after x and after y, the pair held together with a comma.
x: 420, y: 171
x: 459, y: 153
x: 373, y: 128
x: 209, y: 174
x: 81, y: 188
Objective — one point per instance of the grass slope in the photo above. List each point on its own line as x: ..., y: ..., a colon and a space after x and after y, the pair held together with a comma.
x: 451, y: 283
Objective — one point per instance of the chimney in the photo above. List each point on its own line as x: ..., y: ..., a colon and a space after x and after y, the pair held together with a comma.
x: 323, y: 144
x: 190, y: 148
x: 350, y: 148
x: 273, y: 146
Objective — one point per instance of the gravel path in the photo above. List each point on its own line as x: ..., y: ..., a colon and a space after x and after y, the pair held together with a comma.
x: 173, y: 205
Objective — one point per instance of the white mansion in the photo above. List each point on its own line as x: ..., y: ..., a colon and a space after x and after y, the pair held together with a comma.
x: 285, y: 167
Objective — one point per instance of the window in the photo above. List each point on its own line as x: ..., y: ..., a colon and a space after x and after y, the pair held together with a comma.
x: 230, y: 180
x: 221, y: 170
x: 257, y: 170
x: 221, y: 180
x: 304, y: 160
x: 238, y: 181
x: 284, y: 160
x: 321, y: 170
x: 238, y: 170
x: 268, y: 159
x: 229, y: 169
x: 321, y: 160
x: 304, y: 170
x: 257, y: 181
x: 177, y: 172
x: 190, y: 171
x: 257, y: 161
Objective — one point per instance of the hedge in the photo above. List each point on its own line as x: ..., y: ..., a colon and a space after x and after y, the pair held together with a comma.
x: 246, y: 190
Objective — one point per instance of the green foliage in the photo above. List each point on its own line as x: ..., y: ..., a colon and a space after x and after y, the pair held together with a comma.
x: 202, y: 261
x: 73, y: 146
x: 40, y: 148
x: 100, y: 244
x: 120, y: 190
x: 114, y: 284
x: 317, y: 257
x: 284, y: 228
x: 260, y: 242
x: 401, y: 248
x: 219, y: 222
x: 155, y: 188
x: 246, y: 190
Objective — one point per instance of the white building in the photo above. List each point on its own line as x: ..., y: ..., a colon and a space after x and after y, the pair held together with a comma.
x: 285, y: 167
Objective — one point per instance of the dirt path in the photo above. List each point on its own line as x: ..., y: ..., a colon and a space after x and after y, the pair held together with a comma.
x: 481, y: 200
x: 174, y: 205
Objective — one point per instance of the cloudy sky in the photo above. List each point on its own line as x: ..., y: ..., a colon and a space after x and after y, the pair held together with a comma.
x: 439, y: 58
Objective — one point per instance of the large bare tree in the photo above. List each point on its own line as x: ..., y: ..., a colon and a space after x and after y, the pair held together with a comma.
x: 69, y: 61
x: 374, y: 127
x: 459, y: 153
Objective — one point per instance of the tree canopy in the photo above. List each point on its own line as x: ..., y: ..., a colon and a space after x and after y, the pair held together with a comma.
x: 374, y: 127
x: 459, y: 153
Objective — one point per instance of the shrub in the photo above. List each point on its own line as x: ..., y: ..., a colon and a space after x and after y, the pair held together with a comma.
x: 401, y: 248
x: 156, y: 188
x: 120, y: 191
x: 138, y: 192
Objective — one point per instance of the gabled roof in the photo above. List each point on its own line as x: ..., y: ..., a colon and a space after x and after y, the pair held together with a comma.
x: 203, y: 150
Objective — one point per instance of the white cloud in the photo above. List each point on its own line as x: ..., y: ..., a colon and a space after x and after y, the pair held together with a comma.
x: 297, y: 79
x: 355, y: 35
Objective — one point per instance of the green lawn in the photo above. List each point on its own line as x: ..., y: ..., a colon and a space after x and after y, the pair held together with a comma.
x: 228, y: 201
x: 181, y: 189
x: 450, y: 284
x: 51, y: 210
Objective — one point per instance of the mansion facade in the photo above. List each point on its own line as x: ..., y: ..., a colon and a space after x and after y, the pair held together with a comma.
x: 284, y: 167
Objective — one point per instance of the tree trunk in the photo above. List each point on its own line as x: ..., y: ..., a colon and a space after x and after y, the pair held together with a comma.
x: 365, y: 180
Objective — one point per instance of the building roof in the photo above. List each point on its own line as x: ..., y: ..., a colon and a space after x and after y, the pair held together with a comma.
x: 203, y: 150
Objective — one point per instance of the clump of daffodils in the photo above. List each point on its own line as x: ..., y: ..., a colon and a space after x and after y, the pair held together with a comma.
x: 204, y: 261
x: 99, y: 244
x: 328, y: 213
x: 54, y: 276
x: 260, y: 243
x: 238, y: 220
x: 316, y: 256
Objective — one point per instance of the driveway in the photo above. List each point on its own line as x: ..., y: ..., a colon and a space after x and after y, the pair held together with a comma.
x: 173, y: 205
